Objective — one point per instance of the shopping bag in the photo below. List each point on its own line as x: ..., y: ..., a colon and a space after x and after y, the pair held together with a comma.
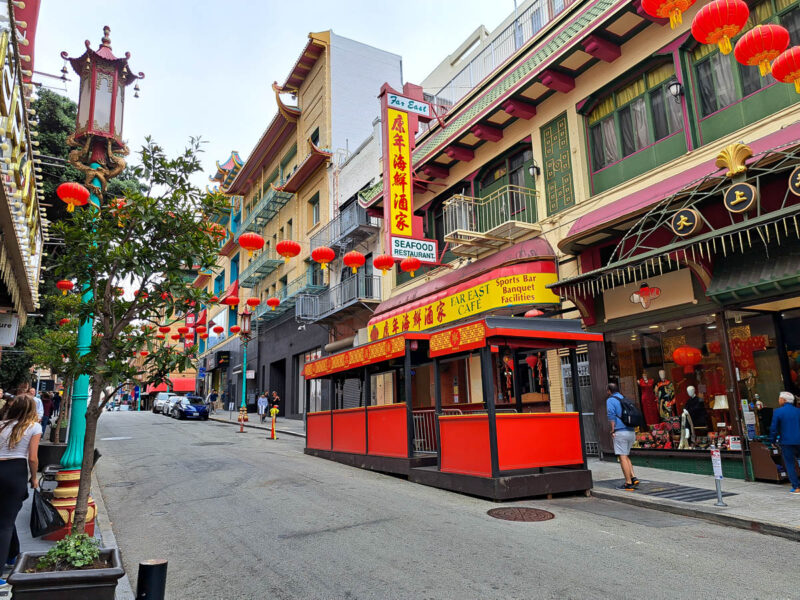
x: 44, y: 518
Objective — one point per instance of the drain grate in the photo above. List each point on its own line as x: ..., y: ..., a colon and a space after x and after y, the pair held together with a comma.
x: 120, y: 484
x: 671, y: 491
x: 520, y: 513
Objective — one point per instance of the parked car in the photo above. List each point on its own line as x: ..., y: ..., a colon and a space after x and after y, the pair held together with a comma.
x: 191, y: 407
x: 170, y: 404
x: 160, y: 401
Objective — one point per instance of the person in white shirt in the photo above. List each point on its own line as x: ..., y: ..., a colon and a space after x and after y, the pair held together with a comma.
x: 39, y: 405
x: 263, y: 402
x: 20, y: 433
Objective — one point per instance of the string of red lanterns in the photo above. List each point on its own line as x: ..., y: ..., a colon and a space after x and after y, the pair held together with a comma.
x: 667, y: 9
x: 719, y: 21
x: 761, y: 45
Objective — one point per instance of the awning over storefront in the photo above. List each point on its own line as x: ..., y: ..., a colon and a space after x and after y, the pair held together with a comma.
x: 176, y: 385
x: 232, y: 291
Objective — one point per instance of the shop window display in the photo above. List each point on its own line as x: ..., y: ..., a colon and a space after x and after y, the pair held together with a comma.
x: 675, y: 373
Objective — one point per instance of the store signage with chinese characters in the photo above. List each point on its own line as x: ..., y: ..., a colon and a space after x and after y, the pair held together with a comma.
x: 740, y: 197
x: 424, y: 250
x: 408, y: 104
x: 503, y: 292
x: 357, y: 357
x: 400, y: 184
x: 654, y: 293
x: 458, y: 339
x: 685, y: 222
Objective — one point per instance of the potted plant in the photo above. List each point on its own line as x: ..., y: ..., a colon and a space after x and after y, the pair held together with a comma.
x: 76, y: 567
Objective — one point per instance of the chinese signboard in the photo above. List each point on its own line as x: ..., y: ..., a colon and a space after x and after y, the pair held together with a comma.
x: 358, y: 357
x: 400, y: 195
x: 514, y: 290
x: 409, y: 105
x: 424, y: 250
x: 557, y: 158
x: 458, y: 339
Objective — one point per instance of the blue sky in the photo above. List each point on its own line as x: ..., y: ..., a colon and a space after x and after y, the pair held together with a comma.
x: 209, y: 64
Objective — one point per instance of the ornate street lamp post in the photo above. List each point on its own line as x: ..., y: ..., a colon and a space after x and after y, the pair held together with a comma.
x: 98, y: 151
x: 245, y: 335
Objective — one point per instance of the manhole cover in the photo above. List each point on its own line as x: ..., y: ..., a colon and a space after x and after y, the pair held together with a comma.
x: 520, y: 513
x: 213, y: 444
x: 120, y: 484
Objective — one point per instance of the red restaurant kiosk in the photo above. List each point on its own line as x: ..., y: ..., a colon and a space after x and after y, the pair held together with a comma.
x: 447, y: 408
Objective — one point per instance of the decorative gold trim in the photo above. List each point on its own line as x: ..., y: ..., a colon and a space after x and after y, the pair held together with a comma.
x: 733, y: 158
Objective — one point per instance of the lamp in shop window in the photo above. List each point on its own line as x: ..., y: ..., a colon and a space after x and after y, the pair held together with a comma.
x: 720, y: 402
x: 667, y: 9
x: 687, y: 357
x: 719, y: 21
x: 786, y: 68
x: 761, y: 45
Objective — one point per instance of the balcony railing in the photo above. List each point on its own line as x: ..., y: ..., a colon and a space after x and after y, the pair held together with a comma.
x: 351, y: 226
x: 362, y: 288
x: 528, y: 24
x: 265, y: 209
x: 475, y: 224
x: 262, y: 265
x: 288, y: 295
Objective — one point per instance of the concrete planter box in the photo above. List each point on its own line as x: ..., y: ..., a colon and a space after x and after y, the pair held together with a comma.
x: 86, y: 584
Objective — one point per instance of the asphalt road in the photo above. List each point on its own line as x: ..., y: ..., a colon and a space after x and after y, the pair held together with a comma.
x: 241, y: 517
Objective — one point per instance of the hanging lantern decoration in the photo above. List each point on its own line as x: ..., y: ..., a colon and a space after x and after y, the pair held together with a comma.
x: 786, y: 68
x: 252, y: 302
x: 719, y: 21
x: 144, y: 353
x: 203, y: 336
x: 231, y: 301
x: 354, y: 259
x: 532, y: 361
x: 64, y: 285
x: 273, y: 302
x: 287, y: 249
x: 761, y: 45
x: 214, y: 299
x: 410, y: 265
x: 164, y: 328
x: 667, y: 9
x: 219, y: 329
x: 176, y: 336
x: 201, y: 329
x: 63, y: 322
x: 183, y: 330
x: 235, y: 329
x: 384, y: 262
x: 687, y: 357
x: 73, y: 194
x: 323, y: 255
x: 251, y: 241
x: 534, y: 312
x: 160, y: 336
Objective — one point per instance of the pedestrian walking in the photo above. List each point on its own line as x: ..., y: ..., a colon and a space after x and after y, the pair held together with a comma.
x: 212, y: 401
x: 26, y: 389
x: 262, y: 404
x: 47, y: 405
x: 276, y: 400
x: 20, y: 433
x: 623, y: 435
x: 785, y: 430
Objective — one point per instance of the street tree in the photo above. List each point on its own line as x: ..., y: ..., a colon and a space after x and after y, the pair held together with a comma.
x: 131, y: 260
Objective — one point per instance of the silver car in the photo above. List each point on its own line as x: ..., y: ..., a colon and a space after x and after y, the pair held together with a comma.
x: 160, y: 402
x: 170, y: 404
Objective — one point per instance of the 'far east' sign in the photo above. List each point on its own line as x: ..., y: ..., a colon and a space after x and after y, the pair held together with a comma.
x: 426, y: 251
x: 408, y: 105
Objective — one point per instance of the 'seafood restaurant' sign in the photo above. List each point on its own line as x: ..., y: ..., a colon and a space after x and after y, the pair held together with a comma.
x: 501, y: 292
x: 424, y: 250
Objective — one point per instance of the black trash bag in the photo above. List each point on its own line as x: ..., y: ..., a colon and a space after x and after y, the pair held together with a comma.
x: 44, y: 518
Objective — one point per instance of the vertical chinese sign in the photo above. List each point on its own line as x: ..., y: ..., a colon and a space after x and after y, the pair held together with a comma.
x: 400, y: 194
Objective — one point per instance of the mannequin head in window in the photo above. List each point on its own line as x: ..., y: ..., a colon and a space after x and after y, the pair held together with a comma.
x: 662, y: 374
x: 691, y: 391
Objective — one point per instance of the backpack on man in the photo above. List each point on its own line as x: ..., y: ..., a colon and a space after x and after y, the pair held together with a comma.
x: 631, y: 416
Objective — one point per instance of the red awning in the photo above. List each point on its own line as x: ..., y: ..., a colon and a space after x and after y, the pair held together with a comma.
x: 161, y: 387
x: 232, y: 291
x: 201, y: 320
x: 183, y: 384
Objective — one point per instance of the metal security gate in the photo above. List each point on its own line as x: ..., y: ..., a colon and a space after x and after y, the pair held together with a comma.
x: 585, y: 385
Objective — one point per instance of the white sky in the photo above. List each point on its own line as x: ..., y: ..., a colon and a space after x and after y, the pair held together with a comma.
x: 209, y: 64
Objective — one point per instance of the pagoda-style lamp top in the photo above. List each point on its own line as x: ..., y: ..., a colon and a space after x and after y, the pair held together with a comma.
x: 103, y: 79
x: 246, y: 315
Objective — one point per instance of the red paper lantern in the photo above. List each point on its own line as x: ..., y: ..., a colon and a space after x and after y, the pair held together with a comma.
x: 273, y: 302
x: 384, y: 262
x: 235, y: 329
x: 323, y: 255
x: 252, y: 302
x: 667, y: 9
x: 176, y: 336
x: 73, y: 194
x: 410, y: 265
x: 231, y: 301
x: 144, y: 353
x: 786, y: 68
x: 201, y: 329
x: 354, y: 260
x: 203, y: 336
x: 761, y: 45
x: 164, y: 329
x: 183, y: 330
x: 287, y: 249
x: 532, y: 361
x: 160, y: 336
x: 687, y: 357
x: 63, y: 322
x: 251, y: 241
x: 718, y: 21
x: 64, y: 285
x: 219, y: 329
x: 214, y: 299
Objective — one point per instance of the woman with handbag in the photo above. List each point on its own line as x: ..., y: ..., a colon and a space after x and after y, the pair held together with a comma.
x: 20, y: 433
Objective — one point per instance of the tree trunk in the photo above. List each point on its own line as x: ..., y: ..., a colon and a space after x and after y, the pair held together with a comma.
x: 84, y: 488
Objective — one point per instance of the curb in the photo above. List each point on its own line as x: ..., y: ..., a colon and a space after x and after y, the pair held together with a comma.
x: 253, y: 426
x: 759, y: 526
x: 102, y: 521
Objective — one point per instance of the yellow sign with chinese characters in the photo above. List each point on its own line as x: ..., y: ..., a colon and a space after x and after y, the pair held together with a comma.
x: 514, y: 290
x: 400, y: 209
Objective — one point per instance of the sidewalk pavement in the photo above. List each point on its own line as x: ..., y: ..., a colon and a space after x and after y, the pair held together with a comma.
x: 102, y: 532
x: 295, y: 427
x: 764, y: 507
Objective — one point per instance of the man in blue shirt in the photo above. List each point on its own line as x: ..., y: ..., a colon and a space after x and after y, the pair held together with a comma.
x: 785, y: 428
x: 623, y: 435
